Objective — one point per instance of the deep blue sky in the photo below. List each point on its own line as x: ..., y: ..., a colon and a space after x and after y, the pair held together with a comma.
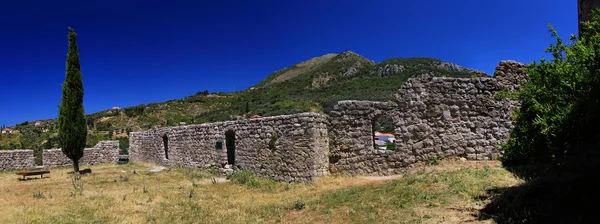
x: 135, y: 52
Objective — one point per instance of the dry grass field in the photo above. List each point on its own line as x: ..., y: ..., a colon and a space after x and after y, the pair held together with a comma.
x: 449, y: 192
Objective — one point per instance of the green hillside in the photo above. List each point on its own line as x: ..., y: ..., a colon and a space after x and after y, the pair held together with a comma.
x: 314, y: 85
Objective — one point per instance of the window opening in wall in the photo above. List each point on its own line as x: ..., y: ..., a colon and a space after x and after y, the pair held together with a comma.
x: 273, y: 141
x: 384, y: 136
x: 230, y: 144
x: 166, y: 146
x: 219, y: 146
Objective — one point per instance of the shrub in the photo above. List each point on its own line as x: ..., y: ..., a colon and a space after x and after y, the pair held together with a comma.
x: 299, y: 204
x: 242, y: 177
x: 559, y: 111
x: 250, y: 180
x: 273, y: 140
x: 433, y: 160
x: 38, y: 195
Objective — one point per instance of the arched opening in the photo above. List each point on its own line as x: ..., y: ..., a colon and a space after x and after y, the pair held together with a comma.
x: 230, y: 144
x: 166, y: 146
x: 384, y: 136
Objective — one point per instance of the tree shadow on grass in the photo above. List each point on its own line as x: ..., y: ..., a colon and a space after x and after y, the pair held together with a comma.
x: 30, y: 178
x: 566, y: 193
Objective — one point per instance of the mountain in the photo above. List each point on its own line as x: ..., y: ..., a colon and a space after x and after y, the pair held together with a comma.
x: 319, y: 71
x: 422, y: 67
x: 313, y: 85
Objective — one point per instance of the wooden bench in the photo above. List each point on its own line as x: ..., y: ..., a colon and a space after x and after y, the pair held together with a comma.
x: 33, y: 173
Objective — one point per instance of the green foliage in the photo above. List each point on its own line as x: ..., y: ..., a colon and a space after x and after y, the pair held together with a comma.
x: 299, y: 204
x: 559, y: 111
x: 31, y: 137
x: 124, y: 143
x: 93, y: 139
x: 390, y: 146
x: 251, y: 180
x: 71, y: 118
x: 506, y: 94
x: 18, y: 126
x: 135, y: 110
x: 418, y: 65
x: 77, y: 184
x: 38, y: 195
x: 104, y: 126
x: 273, y: 140
x: 405, y: 195
x: 434, y: 160
x: 9, y: 141
x: 384, y: 125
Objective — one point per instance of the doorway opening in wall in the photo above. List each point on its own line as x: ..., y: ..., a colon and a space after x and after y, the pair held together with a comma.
x: 166, y: 146
x: 384, y: 136
x: 230, y: 144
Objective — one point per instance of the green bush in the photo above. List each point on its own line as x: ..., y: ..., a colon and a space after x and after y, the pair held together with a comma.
x: 250, y: 180
x: 93, y: 139
x: 135, y: 110
x: 559, y: 111
x: 242, y: 177
x: 103, y: 126
x: 124, y: 143
x: 299, y: 204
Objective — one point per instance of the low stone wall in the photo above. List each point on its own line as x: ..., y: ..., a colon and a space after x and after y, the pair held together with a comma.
x: 103, y: 152
x: 286, y: 148
x: 433, y: 117
x: 16, y: 159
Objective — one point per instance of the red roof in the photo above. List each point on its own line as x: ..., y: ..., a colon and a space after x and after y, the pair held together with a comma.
x: 255, y: 116
x: 7, y: 129
x: 385, y: 135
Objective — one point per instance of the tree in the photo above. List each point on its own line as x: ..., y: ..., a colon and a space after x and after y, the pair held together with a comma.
x: 72, y: 127
x: 559, y: 113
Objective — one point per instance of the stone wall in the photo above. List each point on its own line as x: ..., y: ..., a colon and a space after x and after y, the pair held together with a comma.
x: 16, y: 159
x: 433, y: 117
x: 286, y: 148
x: 103, y: 152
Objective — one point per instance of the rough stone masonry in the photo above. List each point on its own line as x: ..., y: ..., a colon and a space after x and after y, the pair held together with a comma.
x: 16, y: 159
x: 433, y: 117
x: 286, y: 148
x: 103, y: 152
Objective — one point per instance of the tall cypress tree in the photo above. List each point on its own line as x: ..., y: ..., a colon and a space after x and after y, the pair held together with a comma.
x: 72, y: 128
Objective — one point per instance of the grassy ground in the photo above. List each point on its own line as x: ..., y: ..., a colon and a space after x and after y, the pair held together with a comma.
x: 450, y: 192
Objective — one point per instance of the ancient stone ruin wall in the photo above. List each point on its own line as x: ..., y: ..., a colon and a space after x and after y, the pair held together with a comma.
x: 16, y: 159
x: 103, y: 152
x: 433, y: 117
x: 286, y: 148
